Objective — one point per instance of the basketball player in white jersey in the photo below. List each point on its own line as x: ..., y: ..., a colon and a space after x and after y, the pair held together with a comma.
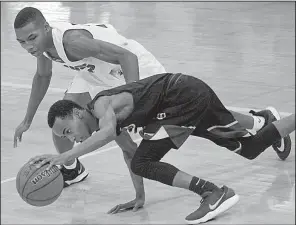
x: 100, y: 58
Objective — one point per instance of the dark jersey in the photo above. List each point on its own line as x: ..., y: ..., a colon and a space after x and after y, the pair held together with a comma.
x: 147, y: 94
x: 175, y: 106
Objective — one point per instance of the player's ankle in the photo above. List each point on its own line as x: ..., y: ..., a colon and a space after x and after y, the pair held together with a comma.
x: 200, y: 186
x: 71, y: 164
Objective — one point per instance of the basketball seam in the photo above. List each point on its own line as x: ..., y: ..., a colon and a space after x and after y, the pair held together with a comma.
x: 26, y: 183
x: 37, y: 200
x: 19, y: 185
x: 44, y: 185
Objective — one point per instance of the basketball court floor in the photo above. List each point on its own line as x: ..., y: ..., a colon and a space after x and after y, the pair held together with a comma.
x: 244, y: 51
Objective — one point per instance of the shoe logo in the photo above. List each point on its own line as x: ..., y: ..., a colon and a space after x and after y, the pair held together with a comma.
x: 80, y: 169
x: 212, y: 207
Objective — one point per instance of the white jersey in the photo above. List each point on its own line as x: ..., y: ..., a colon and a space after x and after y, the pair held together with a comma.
x: 96, y: 72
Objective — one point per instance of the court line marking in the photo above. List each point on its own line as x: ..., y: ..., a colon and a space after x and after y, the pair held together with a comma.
x: 8, y: 84
x: 84, y: 156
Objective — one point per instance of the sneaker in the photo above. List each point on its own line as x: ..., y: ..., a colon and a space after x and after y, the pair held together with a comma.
x: 270, y: 115
x: 72, y: 176
x: 213, y: 204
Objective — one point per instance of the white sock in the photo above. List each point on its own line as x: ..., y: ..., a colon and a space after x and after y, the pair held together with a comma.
x: 72, y: 166
x: 258, y: 122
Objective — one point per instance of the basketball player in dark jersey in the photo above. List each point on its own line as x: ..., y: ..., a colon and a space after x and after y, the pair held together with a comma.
x: 94, y: 53
x: 168, y: 107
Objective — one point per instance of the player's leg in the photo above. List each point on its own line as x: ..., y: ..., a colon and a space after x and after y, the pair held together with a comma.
x: 223, y: 126
x: 258, y: 120
x: 249, y: 122
x: 73, y: 171
x: 253, y: 146
x: 146, y: 163
x: 220, y: 126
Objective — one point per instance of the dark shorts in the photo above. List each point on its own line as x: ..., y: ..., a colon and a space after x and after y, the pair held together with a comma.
x: 190, y: 107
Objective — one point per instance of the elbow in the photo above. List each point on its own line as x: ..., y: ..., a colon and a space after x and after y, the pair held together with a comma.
x: 127, y: 157
x: 130, y: 57
x: 134, y: 58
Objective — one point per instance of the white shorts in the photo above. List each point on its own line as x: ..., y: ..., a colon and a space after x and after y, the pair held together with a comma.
x: 87, y: 82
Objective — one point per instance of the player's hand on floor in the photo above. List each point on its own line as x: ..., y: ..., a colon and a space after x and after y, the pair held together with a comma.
x: 132, y: 205
x: 49, y: 159
x: 23, y: 127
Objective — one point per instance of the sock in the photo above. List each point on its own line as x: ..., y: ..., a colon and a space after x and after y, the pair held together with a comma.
x: 200, y: 186
x: 72, y: 166
x: 259, y: 122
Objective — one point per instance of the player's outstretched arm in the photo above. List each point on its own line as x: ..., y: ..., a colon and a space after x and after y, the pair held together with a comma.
x: 40, y: 85
x: 139, y: 201
x: 79, y: 45
x: 106, y: 133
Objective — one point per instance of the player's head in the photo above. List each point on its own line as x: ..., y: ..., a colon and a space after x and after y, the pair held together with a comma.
x: 68, y: 119
x: 32, y: 31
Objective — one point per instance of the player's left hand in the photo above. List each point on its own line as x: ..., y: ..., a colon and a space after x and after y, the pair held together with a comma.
x: 49, y: 158
x: 132, y: 205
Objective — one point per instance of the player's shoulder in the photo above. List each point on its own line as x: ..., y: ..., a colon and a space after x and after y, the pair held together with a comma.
x: 100, y: 105
x: 72, y: 35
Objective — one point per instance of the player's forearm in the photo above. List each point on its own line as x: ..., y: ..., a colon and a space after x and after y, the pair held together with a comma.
x: 137, y: 180
x: 130, y: 67
x: 39, y: 89
x: 94, y: 142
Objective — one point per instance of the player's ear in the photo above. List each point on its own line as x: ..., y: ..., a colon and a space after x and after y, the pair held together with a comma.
x: 78, y: 113
x: 46, y: 27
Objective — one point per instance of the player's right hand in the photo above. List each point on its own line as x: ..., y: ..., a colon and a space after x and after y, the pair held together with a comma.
x: 23, y: 127
x: 132, y: 205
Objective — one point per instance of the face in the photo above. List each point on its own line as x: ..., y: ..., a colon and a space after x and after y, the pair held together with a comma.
x: 75, y: 127
x: 33, y: 37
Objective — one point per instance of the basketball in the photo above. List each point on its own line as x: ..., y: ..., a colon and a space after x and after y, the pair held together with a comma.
x: 38, y: 186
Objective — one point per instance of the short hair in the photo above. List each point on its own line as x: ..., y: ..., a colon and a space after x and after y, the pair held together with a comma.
x: 26, y: 16
x: 61, y: 109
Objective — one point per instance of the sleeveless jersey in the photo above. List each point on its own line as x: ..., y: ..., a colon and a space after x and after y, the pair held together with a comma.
x: 98, y: 69
x: 176, y: 106
x: 156, y: 110
x: 147, y: 96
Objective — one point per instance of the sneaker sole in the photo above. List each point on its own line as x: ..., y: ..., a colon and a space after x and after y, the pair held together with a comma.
x: 78, y: 179
x: 222, y: 208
